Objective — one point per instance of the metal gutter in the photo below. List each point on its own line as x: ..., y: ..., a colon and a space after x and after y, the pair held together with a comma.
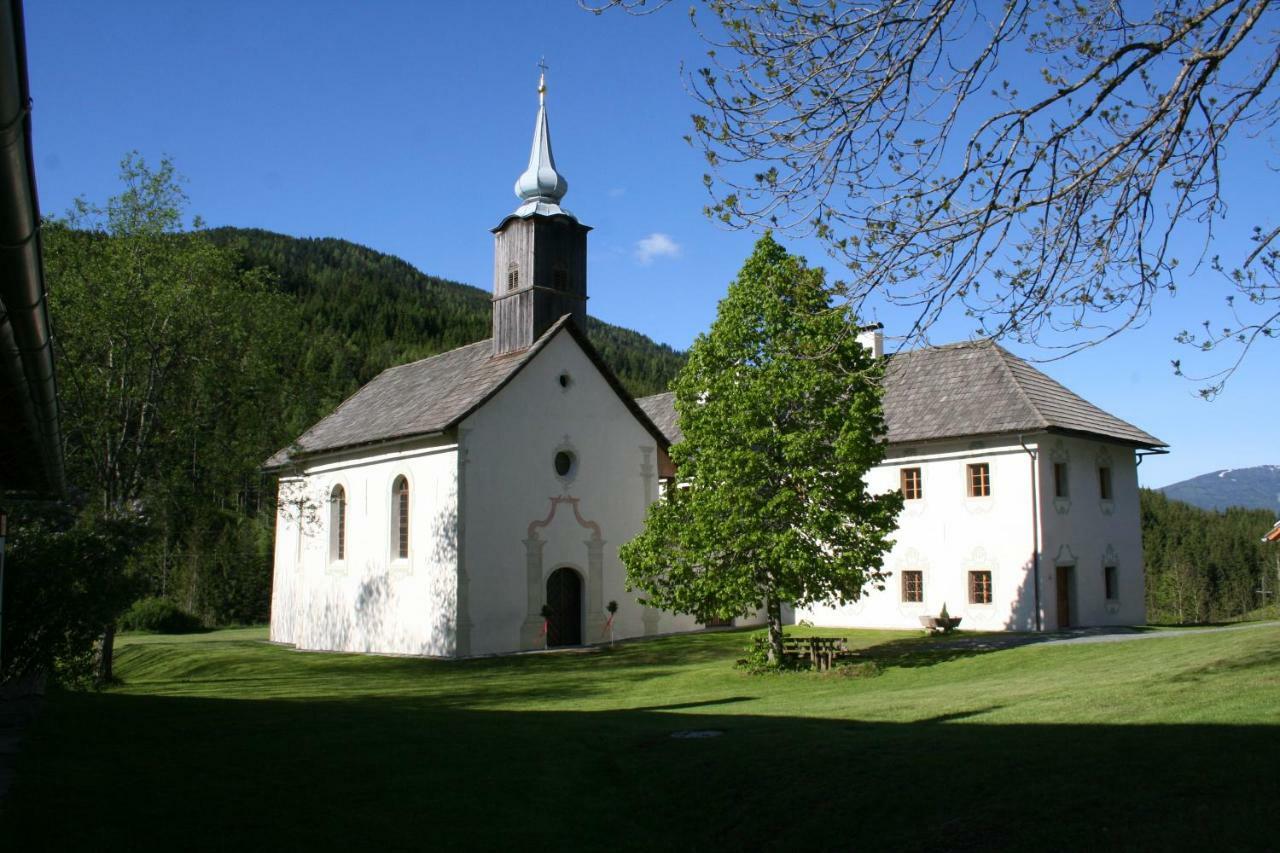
x: 1035, y: 523
x: 26, y: 339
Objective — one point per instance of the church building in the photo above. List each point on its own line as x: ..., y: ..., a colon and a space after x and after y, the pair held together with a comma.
x: 474, y: 502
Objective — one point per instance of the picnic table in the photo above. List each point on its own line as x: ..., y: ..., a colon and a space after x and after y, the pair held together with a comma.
x: 821, y: 652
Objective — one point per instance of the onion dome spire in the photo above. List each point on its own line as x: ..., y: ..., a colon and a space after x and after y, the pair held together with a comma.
x: 541, y: 187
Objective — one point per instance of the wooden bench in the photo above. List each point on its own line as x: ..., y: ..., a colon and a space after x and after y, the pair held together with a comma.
x: 821, y: 652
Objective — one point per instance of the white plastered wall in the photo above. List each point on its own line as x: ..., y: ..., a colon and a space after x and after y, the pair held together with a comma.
x: 946, y: 534
x: 1086, y: 532
x: 370, y: 601
x: 522, y: 521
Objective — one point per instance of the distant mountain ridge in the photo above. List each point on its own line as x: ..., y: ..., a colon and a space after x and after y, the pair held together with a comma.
x: 365, y: 311
x: 1252, y: 488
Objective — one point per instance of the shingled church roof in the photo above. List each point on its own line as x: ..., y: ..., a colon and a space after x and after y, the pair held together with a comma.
x: 434, y: 395
x: 966, y: 389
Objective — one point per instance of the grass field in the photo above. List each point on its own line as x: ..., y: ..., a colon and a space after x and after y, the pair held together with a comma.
x: 220, y: 741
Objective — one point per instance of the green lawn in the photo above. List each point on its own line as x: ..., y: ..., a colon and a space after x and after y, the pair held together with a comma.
x: 219, y: 741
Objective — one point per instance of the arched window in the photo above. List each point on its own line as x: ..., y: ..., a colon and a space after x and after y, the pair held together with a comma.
x: 400, y: 517
x: 337, y: 524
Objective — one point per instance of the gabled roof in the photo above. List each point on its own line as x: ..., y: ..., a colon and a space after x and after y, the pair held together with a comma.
x: 435, y: 394
x: 661, y: 409
x: 967, y: 389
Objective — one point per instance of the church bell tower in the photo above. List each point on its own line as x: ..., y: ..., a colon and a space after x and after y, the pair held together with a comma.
x: 539, y: 252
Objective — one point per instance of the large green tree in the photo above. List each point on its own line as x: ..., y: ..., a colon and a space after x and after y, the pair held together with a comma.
x: 172, y: 360
x: 780, y: 410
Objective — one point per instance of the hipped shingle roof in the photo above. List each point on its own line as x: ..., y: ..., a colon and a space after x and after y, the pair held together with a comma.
x: 963, y: 390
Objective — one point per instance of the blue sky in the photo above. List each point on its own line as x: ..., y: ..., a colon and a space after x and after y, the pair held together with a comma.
x: 402, y: 126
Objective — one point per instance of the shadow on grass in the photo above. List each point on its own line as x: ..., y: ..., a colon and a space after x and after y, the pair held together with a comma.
x: 1254, y: 661
x: 391, y: 773
x: 258, y: 670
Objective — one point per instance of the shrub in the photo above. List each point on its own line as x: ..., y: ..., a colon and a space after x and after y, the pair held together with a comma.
x: 158, y: 616
x: 63, y: 584
x: 857, y: 669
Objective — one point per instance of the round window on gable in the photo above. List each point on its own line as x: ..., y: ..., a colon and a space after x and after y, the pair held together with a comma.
x: 566, y: 463
x: 565, y: 379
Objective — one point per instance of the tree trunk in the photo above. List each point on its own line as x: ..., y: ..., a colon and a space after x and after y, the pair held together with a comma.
x: 774, y: 609
x: 105, y: 675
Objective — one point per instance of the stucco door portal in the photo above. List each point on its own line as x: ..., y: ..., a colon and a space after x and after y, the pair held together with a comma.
x: 564, y: 597
x: 1064, y: 595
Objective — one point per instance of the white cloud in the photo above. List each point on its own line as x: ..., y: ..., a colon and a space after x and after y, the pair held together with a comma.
x: 617, y: 192
x: 656, y: 245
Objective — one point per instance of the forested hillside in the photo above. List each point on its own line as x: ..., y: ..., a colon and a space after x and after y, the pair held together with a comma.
x: 1204, y: 565
x: 364, y: 311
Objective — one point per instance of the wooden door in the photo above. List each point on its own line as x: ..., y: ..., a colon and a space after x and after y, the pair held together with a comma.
x: 1064, y: 595
x: 564, y: 597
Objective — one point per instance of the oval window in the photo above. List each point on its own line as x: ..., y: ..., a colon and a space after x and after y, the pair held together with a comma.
x: 565, y: 379
x: 564, y: 463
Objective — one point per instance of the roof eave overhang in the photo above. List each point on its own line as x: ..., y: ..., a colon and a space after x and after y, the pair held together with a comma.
x: 1031, y: 430
x: 26, y: 358
x: 536, y: 215
x: 299, y: 459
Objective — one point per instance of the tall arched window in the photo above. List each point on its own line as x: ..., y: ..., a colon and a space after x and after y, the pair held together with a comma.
x: 400, y: 517
x: 337, y: 524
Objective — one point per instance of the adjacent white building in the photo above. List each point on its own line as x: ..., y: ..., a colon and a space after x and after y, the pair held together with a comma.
x: 474, y: 502
x: 1021, y: 498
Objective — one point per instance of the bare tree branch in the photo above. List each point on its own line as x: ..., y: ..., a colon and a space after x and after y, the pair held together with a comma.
x: 1036, y: 164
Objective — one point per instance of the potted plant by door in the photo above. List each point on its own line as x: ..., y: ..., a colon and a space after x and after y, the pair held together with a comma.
x: 612, y: 607
x: 547, y: 613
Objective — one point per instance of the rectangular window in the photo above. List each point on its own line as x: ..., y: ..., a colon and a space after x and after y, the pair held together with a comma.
x: 513, y: 279
x: 980, y: 480
x: 912, y: 485
x: 1059, y: 479
x: 1104, y: 483
x: 913, y: 586
x: 979, y: 587
x: 1112, y: 582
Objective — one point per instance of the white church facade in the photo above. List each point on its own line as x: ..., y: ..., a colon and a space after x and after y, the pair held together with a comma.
x: 474, y: 502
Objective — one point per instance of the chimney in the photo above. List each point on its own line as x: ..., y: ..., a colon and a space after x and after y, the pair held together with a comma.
x: 872, y: 337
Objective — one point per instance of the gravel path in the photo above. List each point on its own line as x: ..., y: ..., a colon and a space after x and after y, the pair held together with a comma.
x: 1110, y: 636
x: 1116, y: 634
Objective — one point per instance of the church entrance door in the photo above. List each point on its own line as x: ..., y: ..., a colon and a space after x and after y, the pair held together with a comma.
x: 564, y: 597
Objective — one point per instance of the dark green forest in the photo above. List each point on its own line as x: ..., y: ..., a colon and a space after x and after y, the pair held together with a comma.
x: 1205, y: 565
x: 353, y: 312
x: 364, y: 311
